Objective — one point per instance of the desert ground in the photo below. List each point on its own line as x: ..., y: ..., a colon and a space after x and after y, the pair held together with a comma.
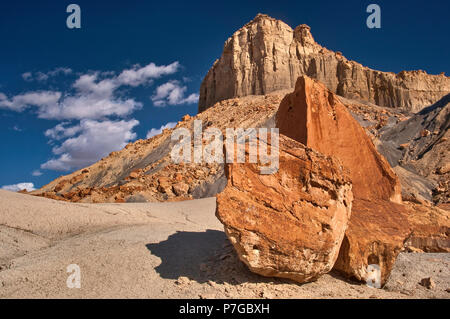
x: 161, y: 250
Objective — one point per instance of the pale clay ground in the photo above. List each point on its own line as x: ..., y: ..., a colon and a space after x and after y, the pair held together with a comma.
x: 160, y: 250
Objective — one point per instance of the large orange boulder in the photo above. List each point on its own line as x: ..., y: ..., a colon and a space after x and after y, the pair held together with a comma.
x: 291, y: 223
x: 315, y: 117
x: 379, y: 230
x: 375, y: 236
x: 380, y: 226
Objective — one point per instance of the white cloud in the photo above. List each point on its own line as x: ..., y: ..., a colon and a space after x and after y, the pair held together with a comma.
x: 139, y: 75
x: 61, y: 131
x: 41, y: 99
x: 27, y: 76
x: 156, y: 131
x: 19, y: 186
x: 89, y: 106
x: 93, y: 112
x: 94, y: 96
x: 95, y: 139
x: 44, y: 76
x: 172, y: 93
x: 36, y: 173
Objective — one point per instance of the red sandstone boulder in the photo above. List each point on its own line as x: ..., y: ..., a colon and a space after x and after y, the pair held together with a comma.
x: 315, y: 117
x: 380, y: 227
x: 291, y: 223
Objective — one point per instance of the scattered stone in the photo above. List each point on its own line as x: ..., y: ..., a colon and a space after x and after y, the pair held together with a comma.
x: 134, y: 175
x: 180, y: 188
x: 428, y: 283
x: 182, y: 281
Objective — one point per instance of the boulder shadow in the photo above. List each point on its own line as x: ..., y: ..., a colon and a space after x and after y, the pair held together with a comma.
x: 202, y: 257
x: 183, y: 253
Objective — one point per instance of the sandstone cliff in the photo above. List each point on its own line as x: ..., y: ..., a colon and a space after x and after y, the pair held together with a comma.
x: 268, y: 55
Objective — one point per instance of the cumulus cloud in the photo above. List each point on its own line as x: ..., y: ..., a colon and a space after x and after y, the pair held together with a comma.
x: 94, y: 96
x: 172, y: 93
x: 19, y: 186
x: 139, y: 75
x: 44, y: 76
x: 89, y: 106
x: 41, y: 99
x: 62, y: 130
x: 156, y: 131
x: 91, y: 140
x: 93, y: 113
x: 27, y: 76
x: 36, y: 173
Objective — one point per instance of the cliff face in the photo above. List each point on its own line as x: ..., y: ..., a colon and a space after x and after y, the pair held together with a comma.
x: 268, y: 55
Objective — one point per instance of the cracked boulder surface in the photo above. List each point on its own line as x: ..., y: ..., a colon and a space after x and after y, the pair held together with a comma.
x: 288, y: 224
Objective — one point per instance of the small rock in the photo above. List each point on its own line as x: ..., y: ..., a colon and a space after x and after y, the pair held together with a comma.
x: 180, y: 188
x: 425, y: 133
x: 182, y: 280
x: 428, y: 283
x: 134, y: 175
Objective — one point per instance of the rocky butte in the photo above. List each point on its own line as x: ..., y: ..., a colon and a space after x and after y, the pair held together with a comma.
x: 267, y: 55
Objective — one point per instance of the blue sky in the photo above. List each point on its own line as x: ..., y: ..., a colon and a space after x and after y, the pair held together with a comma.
x: 70, y: 96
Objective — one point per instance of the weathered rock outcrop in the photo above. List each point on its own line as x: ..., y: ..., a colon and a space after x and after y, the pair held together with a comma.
x: 380, y: 225
x: 419, y: 149
x: 267, y: 55
x: 144, y: 171
x: 315, y: 117
x: 291, y: 223
x: 379, y: 230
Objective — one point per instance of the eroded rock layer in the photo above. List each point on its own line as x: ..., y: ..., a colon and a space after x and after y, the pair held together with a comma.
x: 267, y: 55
